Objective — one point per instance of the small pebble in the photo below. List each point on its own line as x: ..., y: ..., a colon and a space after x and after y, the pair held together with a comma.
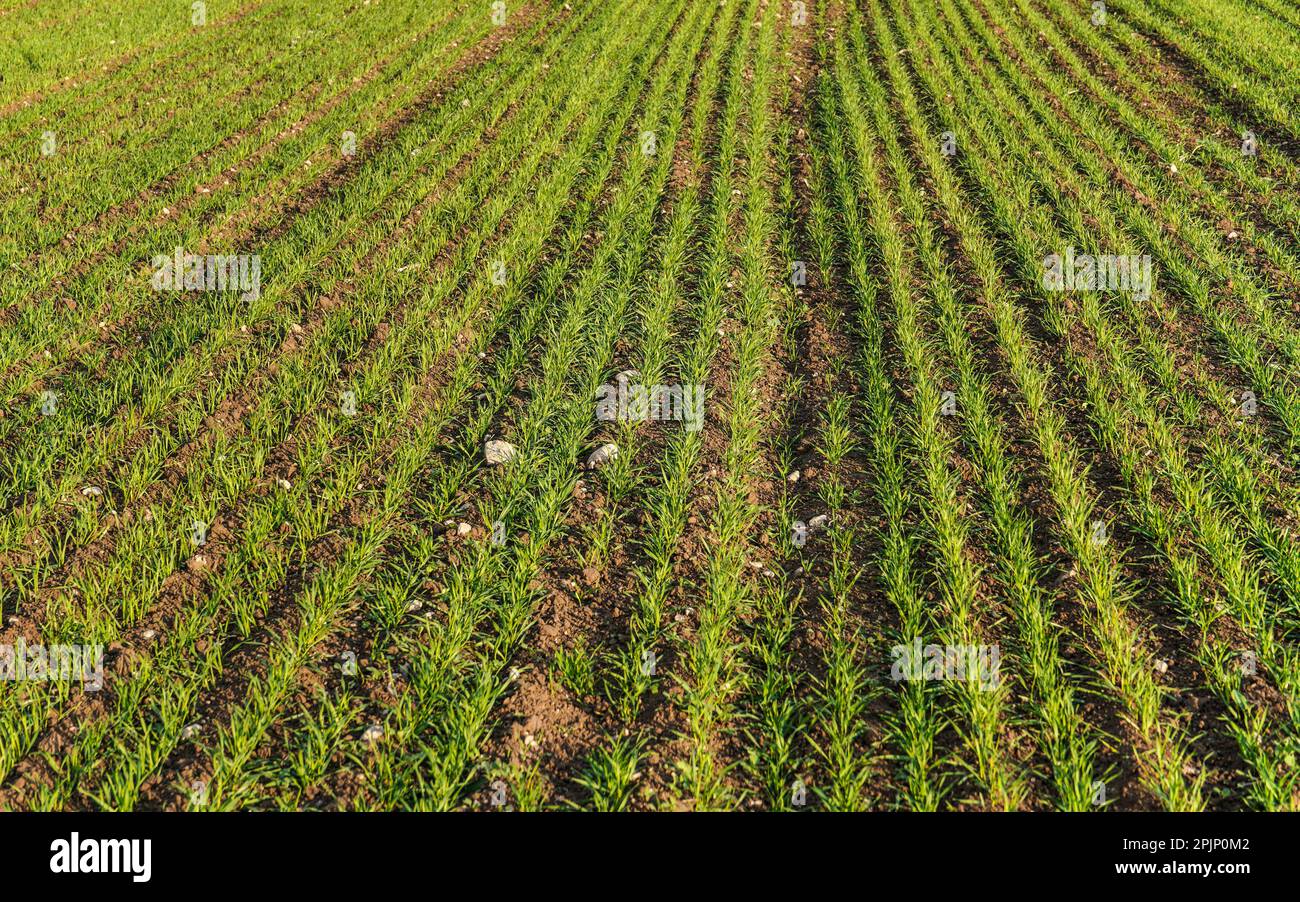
x: 497, y: 452
x: 602, y: 455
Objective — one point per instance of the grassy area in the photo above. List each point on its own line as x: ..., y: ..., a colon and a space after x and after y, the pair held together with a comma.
x: 650, y: 405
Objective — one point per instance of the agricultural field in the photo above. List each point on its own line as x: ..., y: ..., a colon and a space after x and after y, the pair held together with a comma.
x: 649, y: 405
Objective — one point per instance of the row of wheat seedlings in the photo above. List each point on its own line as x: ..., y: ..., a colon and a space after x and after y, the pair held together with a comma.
x: 551, y: 433
x: 463, y: 476
x: 839, y: 731
x: 132, y: 137
x: 272, y: 321
x: 980, y: 699
x: 1245, y: 438
x: 911, y: 730
x: 1241, y: 159
x: 1186, y: 403
x: 1229, y: 73
x: 1037, y: 663
x: 307, y: 390
x: 64, y: 39
x: 623, y: 480
x: 779, y: 705
x: 710, y: 664
x: 1105, y: 592
x: 249, y: 723
x: 525, y: 496
x: 628, y: 671
x: 1209, y: 531
x: 1126, y: 54
x: 636, y: 667
x: 102, y: 273
x: 838, y: 734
